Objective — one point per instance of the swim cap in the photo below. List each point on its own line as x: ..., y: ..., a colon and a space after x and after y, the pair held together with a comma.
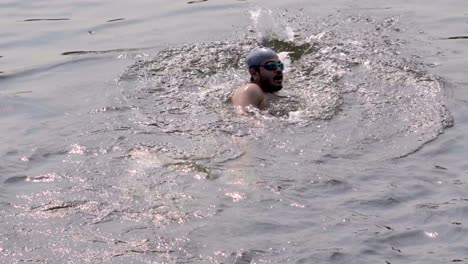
x: 257, y: 55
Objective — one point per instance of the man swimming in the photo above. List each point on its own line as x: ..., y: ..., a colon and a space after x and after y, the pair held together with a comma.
x: 266, y: 78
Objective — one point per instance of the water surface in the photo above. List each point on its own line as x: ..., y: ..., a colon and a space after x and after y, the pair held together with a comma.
x: 120, y: 145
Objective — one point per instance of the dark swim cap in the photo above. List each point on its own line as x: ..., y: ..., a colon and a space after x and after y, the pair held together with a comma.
x: 257, y: 55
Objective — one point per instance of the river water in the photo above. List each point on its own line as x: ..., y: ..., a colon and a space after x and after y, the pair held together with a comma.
x: 119, y: 144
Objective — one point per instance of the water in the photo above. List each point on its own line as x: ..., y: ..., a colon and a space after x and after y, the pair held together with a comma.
x: 121, y: 146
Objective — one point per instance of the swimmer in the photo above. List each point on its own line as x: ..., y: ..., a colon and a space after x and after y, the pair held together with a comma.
x: 266, y: 78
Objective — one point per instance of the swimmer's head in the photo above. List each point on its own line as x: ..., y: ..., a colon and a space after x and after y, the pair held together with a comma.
x: 266, y: 69
x: 258, y: 55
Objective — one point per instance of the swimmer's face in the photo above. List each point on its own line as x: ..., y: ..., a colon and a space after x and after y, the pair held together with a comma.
x: 269, y: 76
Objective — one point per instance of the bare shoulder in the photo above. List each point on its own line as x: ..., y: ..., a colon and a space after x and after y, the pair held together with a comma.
x: 249, y: 94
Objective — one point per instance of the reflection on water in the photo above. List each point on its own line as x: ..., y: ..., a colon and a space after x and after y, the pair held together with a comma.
x: 45, y: 19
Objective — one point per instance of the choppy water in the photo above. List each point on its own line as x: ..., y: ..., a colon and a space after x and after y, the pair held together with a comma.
x: 132, y: 153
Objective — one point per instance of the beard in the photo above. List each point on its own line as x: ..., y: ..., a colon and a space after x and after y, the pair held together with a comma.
x: 267, y: 85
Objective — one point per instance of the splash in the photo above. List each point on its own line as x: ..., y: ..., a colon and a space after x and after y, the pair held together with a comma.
x: 347, y: 69
x: 268, y: 25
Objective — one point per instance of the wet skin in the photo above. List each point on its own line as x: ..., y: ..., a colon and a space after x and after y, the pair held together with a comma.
x: 256, y: 93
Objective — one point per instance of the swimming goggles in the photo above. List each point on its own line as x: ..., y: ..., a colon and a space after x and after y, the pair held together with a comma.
x: 271, y: 66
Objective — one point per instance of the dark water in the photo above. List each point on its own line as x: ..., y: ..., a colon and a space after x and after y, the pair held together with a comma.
x: 120, y: 145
